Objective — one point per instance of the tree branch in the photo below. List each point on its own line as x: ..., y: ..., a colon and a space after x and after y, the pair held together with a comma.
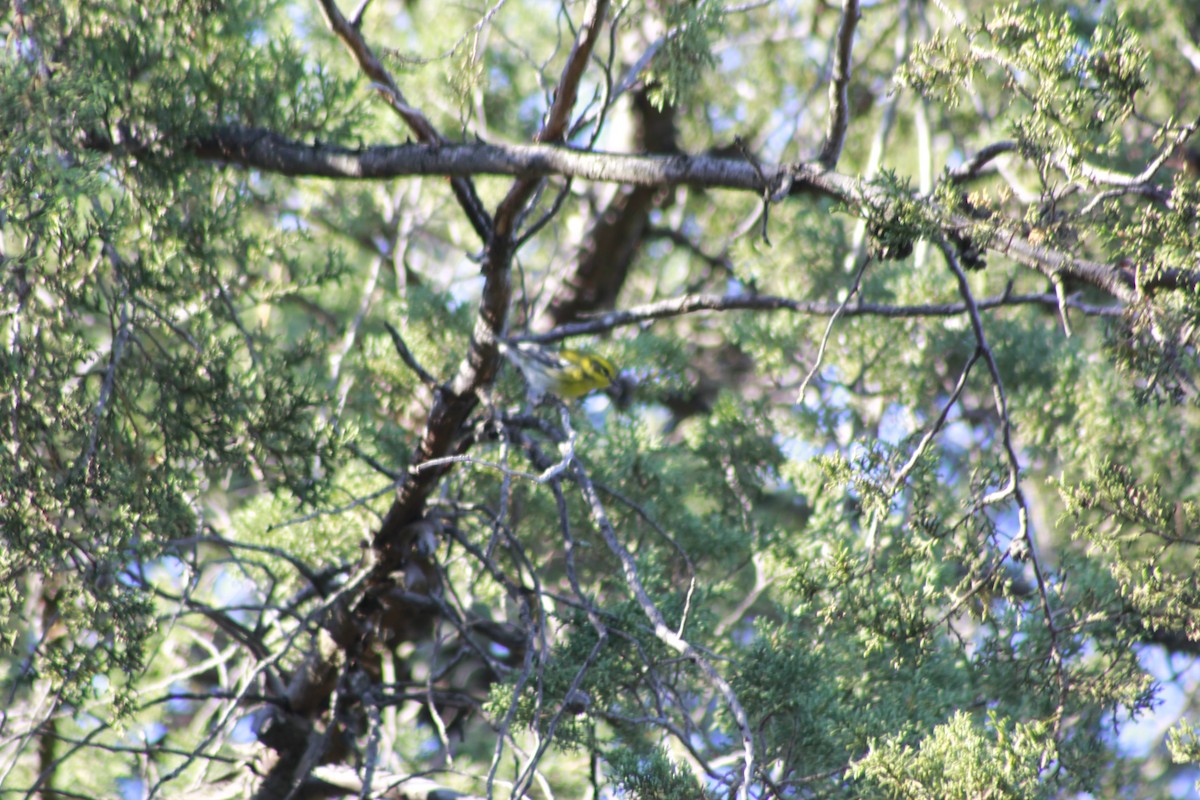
x: 972, y: 166
x: 691, y: 304
x: 1014, y: 489
x: 453, y: 405
x: 268, y: 151
x: 664, y: 633
x: 260, y: 149
x: 839, y: 103
x: 568, y: 84
x: 382, y: 80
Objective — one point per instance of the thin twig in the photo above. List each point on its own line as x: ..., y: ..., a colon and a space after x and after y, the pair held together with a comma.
x: 121, y: 335
x: 663, y: 632
x: 914, y: 459
x: 1108, y: 177
x: 1013, y: 489
x: 829, y: 329
x: 342, y: 389
x: 934, y: 429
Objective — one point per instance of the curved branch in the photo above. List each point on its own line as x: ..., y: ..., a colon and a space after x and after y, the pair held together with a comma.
x: 1013, y: 489
x: 971, y: 167
x: 663, y: 632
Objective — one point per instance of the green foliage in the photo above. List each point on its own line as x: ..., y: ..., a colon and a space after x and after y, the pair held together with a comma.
x: 206, y: 420
x: 686, y: 53
x: 1132, y: 523
x: 1184, y: 745
x: 963, y: 758
x: 131, y: 381
x: 784, y: 684
x: 939, y: 69
x: 1070, y: 83
x: 894, y: 219
x: 649, y: 774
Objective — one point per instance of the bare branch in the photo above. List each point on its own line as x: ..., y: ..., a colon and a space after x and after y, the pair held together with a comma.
x: 972, y: 166
x: 333, y: 780
x: 568, y: 85
x: 663, y: 631
x: 1013, y: 489
x: 261, y: 149
x: 906, y: 470
x: 382, y: 80
x: 407, y: 357
x: 1108, y: 177
x: 829, y: 329
x: 692, y: 304
x: 120, y: 337
x: 356, y: 17
x: 839, y: 103
x: 268, y: 151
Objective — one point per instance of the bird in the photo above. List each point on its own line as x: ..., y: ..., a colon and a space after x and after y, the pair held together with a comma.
x: 567, y: 374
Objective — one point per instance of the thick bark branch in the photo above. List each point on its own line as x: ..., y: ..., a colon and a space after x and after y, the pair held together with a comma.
x: 259, y: 149
x: 264, y: 150
x: 455, y: 402
x: 395, y: 544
